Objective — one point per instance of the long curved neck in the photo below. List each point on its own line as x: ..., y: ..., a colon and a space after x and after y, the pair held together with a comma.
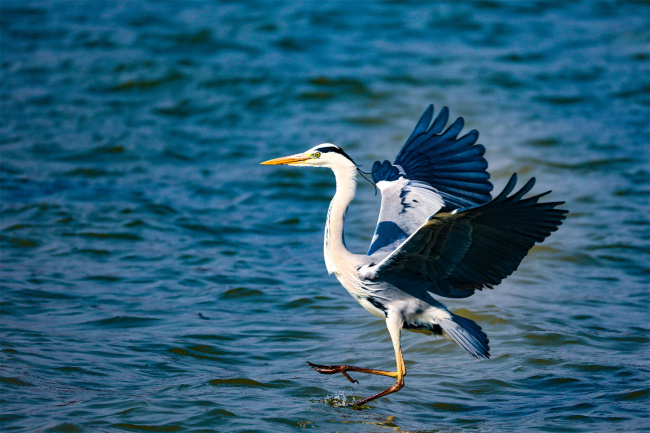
x: 337, y: 255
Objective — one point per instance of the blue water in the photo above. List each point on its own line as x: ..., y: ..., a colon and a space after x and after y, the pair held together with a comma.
x: 156, y: 278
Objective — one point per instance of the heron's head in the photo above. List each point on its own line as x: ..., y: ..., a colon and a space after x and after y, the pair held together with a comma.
x: 323, y: 155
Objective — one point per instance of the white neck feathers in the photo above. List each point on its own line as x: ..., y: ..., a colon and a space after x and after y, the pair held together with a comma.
x: 336, y: 254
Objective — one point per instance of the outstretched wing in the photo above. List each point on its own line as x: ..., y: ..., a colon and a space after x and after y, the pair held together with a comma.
x: 453, y: 254
x: 434, y: 170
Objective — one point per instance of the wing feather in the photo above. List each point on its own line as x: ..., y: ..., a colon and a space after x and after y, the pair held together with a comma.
x: 456, y: 253
x: 434, y: 170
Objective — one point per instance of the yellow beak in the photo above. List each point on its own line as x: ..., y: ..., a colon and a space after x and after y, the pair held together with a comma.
x: 291, y: 159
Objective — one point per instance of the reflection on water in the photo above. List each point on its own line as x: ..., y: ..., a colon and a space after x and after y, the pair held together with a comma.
x: 156, y: 278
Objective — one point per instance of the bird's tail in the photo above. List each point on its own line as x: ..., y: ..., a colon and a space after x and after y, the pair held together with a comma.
x: 467, y: 334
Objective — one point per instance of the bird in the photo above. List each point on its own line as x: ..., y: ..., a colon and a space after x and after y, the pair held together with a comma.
x: 439, y: 233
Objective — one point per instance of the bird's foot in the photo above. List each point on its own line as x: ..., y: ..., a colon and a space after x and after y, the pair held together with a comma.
x: 333, y: 369
x: 343, y: 369
x: 398, y: 385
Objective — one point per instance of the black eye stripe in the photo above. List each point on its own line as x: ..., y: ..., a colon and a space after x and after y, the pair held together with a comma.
x: 335, y: 150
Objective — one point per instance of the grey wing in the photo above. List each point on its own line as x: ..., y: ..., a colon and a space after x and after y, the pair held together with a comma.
x: 434, y: 170
x: 454, y: 254
x: 404, y: 205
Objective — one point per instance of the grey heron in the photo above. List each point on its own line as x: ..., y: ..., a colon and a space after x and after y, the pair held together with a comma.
x: 439, y: 233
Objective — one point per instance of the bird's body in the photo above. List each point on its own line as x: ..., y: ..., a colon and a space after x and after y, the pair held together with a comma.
x: 438, y: 233
x: 376, y: 296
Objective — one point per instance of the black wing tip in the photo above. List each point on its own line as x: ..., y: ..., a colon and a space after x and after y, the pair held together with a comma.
x: 507, y: 189
x: 436, y: 155
x: 422, y: 127
x: 524, y: 189
x: 384, y: 171
x: 510, y: 186
x: 428, y: 115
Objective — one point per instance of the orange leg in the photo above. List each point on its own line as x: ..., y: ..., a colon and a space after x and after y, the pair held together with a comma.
x: 395, y: 330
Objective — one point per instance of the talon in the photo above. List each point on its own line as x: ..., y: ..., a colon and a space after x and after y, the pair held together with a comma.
x: 332, y: 369
x: 318, y: 366
x: 347, y: 376
x: 324, y: 369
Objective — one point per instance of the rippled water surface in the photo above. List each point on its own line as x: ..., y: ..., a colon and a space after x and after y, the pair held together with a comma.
x: 156, y: 278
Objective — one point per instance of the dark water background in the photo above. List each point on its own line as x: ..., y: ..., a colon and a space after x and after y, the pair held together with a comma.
x: 155, y: 278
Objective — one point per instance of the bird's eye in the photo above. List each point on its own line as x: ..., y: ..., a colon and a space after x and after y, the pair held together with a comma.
x: 316, y: 154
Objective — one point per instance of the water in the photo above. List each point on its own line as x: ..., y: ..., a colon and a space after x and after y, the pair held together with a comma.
x: 156, y: 278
